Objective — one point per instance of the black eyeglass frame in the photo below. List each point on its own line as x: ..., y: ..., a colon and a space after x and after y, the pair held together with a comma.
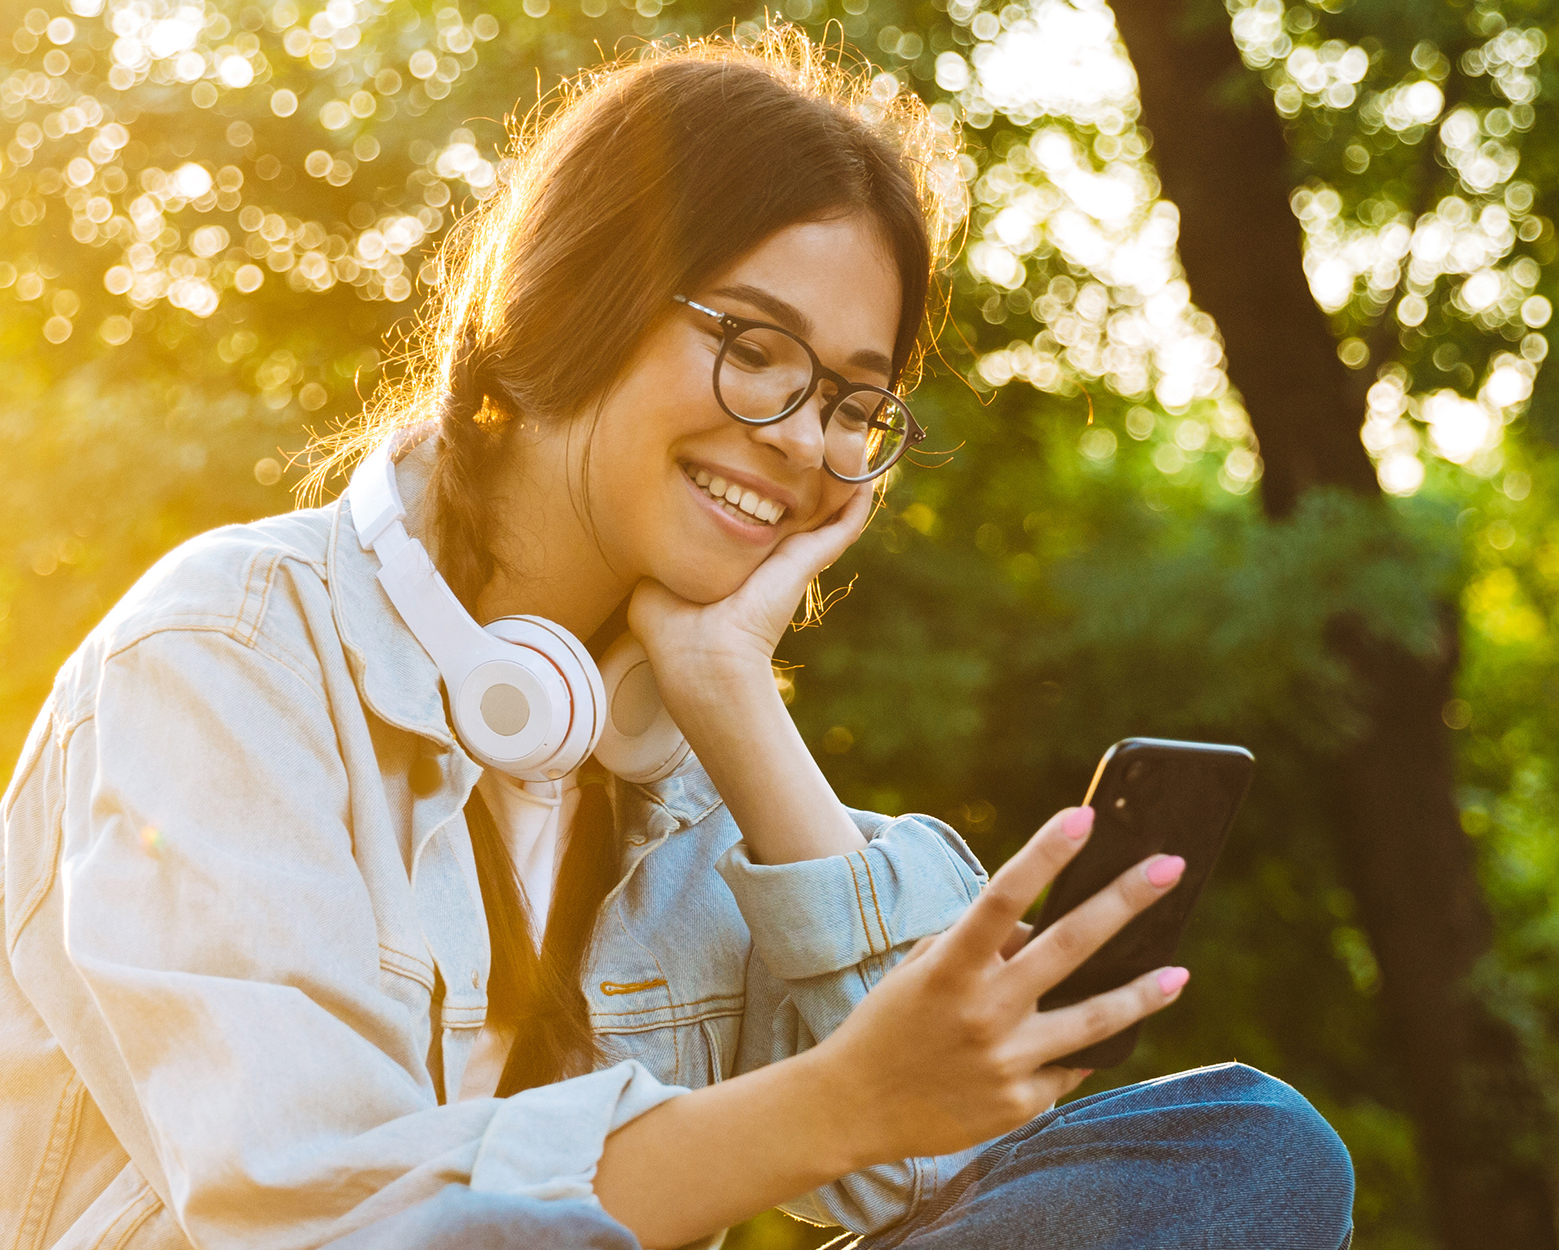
x: 734, y: 327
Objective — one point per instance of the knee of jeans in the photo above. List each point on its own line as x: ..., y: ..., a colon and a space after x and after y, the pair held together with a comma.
x: 1294, y: 1150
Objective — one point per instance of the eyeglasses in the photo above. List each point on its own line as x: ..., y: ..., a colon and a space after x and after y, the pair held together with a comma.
x: 763, y: 373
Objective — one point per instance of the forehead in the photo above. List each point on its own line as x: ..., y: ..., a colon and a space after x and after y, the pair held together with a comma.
x: 837, y: 275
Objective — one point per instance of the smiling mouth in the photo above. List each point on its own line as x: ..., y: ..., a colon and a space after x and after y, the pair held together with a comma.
x: 741, y: 502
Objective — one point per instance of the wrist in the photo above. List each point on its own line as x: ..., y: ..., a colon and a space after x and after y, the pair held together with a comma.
x: 844, y: 1128
x: 719, y: 692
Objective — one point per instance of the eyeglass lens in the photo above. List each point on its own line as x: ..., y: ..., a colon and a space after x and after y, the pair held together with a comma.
x: 765, y: 373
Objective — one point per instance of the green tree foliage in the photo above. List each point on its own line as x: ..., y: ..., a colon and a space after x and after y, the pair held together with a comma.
x: 218, y: 214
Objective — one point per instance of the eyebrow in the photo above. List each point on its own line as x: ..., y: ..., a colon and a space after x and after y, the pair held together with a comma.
x: 793, y: 319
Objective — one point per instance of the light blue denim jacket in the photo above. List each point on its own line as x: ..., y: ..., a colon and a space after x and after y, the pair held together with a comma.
x: 247, y: 963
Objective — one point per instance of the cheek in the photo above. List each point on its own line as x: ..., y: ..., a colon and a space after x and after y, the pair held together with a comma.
x: 636, y: 494
x: 646, y: 421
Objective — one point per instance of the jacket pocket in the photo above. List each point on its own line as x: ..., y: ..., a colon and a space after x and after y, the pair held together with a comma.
x: 690, y: 1055
x: 682, y: 1042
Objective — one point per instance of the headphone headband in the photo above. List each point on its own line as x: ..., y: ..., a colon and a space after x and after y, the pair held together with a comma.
x: 524, y: 696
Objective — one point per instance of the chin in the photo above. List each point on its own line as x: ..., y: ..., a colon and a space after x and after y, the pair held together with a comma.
x: 703, y: 584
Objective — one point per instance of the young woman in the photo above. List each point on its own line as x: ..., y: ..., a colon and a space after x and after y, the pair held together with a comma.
x: 298, y: 956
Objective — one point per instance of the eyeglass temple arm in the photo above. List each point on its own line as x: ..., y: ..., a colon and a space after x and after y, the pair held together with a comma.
x: 699, y: 308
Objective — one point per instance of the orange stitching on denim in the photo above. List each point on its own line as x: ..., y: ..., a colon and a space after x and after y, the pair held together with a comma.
x: 860, y: 902
x: 876, y: 906
x: 676, y: 1045
x: 630, y: 987
x: 716, y: 1068
x: 611, y: 1027
x: 697, y: 1002
x: 51, y: 1167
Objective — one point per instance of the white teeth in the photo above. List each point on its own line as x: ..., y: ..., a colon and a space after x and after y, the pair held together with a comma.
x: 737, y: 498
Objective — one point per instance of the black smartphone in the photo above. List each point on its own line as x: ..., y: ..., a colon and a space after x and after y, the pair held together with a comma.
x: 1149, y: 796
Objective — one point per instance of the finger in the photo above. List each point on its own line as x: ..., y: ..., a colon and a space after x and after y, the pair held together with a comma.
x: 808, y: 553
x: 1063, y: 1080
x: 856, y: 514
x: 984, y: 929
x: 1049, y: 1085
x: 777, y: 585
x: 1017, y: 940
x: 1055, y: 953
x: 918, y: 949
x: 1047, y: 1035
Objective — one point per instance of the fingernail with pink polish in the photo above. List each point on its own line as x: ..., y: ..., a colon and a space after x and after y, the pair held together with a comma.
x: 1172, y: 980
x: 1077, y: 822
x: 1165, y: 870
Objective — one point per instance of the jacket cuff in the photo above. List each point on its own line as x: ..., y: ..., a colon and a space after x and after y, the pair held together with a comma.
x: 545, y: 1143
x: 818, y: 916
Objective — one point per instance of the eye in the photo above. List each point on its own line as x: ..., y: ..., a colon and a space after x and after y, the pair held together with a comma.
x: 855, y: 411
x: 747, y: 352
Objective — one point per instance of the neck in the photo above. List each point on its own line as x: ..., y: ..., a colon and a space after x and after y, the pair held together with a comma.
x: 549, y: 563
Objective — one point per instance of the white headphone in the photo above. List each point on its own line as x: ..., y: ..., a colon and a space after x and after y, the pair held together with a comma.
x: 525, y: 695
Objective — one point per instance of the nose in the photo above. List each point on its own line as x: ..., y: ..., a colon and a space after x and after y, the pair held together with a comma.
x: 799, y: 437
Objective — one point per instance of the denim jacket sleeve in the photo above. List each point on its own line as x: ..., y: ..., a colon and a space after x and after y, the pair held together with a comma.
x: 187, y: 911
x: 824, y: 931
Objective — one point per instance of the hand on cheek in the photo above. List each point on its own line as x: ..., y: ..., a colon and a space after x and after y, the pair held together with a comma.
x: 735, y: 637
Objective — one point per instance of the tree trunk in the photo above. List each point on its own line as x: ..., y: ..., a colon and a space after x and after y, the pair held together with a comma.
x: 1220, y: 154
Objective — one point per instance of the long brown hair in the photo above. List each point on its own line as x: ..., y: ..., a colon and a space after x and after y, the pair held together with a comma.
x: 637, y: 181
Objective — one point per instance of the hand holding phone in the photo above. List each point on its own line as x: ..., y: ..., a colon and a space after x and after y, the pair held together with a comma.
x: 947, y: 1049
x: 1149, y: 796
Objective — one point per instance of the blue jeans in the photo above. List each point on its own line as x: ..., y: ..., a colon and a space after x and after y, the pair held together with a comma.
x: 1222, y: 1158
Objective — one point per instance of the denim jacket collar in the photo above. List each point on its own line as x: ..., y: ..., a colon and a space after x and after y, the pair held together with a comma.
x: 398, y: 681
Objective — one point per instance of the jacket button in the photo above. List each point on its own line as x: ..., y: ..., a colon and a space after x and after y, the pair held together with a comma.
x: 425, y: 776
x: 476, y: 981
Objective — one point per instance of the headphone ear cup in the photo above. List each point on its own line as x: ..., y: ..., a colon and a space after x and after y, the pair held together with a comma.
x: 578, y: 706
x: 640, y: 742
x: 506, y: 712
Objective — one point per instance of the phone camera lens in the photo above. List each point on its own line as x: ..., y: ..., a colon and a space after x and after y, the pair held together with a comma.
x: 1135, y: 770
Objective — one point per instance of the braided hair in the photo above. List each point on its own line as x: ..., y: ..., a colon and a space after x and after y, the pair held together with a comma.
x: 537, y: 993
x: 471, y: 443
